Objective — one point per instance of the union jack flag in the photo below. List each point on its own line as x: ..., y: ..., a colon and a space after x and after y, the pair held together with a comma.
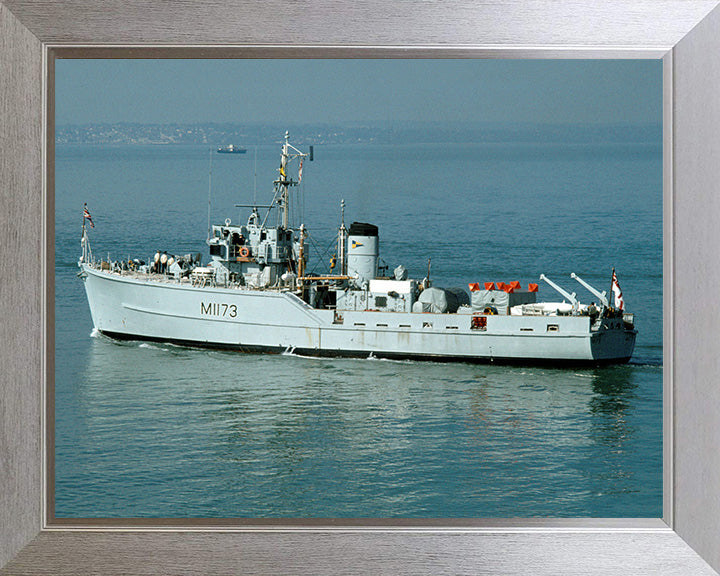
x: 86, y: 215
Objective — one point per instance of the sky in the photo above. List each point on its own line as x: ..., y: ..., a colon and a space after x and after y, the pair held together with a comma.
x: 358, y: 91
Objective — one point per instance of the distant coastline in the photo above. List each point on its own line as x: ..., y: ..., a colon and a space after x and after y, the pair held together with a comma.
x: 250, y: 135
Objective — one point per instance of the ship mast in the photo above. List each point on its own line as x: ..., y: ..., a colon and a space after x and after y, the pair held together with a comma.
x: 342, y: 238
x: 301, y: 253
x: 283, y: 183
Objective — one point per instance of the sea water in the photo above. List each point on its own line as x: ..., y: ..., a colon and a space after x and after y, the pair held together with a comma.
x: 155, y: 430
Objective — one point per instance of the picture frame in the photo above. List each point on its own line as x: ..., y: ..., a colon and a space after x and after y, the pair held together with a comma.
x: 683, y: 33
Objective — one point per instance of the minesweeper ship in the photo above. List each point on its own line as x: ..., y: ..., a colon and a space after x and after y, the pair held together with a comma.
x: 255, y: 295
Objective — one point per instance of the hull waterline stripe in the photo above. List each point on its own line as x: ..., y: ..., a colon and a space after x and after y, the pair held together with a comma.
x: 315, y: 352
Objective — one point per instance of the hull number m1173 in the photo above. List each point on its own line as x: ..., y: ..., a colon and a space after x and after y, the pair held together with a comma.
x: 218, y: 309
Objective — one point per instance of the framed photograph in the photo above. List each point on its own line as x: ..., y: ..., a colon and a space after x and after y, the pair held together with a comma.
x: 615, y: 516
x: 428, y: 175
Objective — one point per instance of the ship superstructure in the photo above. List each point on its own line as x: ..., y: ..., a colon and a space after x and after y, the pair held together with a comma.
x: 255, y: 294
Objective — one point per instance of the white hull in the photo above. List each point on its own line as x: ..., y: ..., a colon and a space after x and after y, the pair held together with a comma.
x: 133, y: 307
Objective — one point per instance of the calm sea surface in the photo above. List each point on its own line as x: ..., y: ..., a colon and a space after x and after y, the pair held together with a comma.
x: 164, y: 431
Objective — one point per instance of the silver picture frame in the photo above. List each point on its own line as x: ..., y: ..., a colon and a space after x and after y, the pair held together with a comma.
x: 685, y: 34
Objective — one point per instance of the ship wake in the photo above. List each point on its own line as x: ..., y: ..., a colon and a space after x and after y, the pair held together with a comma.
x: 290, y: 351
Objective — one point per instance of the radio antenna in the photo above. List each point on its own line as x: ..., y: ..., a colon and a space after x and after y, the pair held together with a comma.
x: 209, y: 191
x: 255, y: 178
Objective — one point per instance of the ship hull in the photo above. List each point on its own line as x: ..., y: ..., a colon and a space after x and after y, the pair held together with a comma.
x: 134, y: 308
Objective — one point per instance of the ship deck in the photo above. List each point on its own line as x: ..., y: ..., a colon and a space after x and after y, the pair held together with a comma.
x: 165, y: 279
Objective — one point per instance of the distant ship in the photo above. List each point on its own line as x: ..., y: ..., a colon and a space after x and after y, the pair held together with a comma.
x: 231, y: 149
x: 256, y: 295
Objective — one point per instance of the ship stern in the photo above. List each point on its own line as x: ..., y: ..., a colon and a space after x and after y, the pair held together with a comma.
x: 613, y: 342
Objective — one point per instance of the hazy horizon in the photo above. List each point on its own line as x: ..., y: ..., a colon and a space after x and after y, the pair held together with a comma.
x: 390, y: 93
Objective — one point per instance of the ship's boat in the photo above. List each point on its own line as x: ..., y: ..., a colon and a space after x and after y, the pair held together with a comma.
x: 255, y: 294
